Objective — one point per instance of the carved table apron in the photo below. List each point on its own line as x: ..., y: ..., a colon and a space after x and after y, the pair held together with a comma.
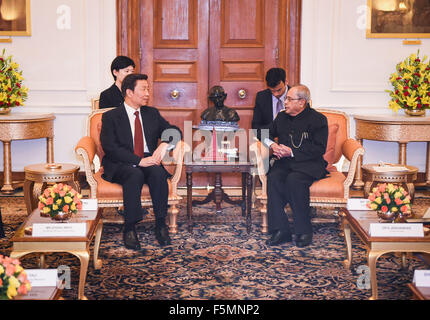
x: 394, y: 128
x: 23, y: 126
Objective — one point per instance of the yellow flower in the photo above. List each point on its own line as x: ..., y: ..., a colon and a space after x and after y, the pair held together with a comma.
x: 46, y: 209
x: 11, y: 291
x: 373, y: 206
x: 19, y: 269
x: 378, y: 200
x: 397, y: 195
x: 68, y: 199
x: 1, y: 270
x: 73, y: 206
x: 394, y: 209
x: 54, y: 207
x: 59, y: 201
x: 42, y: 199
x: 13, y: 281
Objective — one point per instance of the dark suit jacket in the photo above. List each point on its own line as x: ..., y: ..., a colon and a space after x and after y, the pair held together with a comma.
x: 111, y: 97
x: 263, y: 111
x: 306, y: 134
x: 117, y: 140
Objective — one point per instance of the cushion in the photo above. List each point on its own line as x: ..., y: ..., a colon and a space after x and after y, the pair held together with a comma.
x: 100, y: 152
x: 331, y: 144
x: 330, y: 187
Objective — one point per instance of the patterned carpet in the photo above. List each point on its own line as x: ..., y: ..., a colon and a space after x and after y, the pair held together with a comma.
x: 220, y: 260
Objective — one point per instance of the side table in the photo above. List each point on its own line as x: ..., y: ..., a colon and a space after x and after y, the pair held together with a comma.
x: 38, y: 176
x: 405, y: 178
x: 218, y: 194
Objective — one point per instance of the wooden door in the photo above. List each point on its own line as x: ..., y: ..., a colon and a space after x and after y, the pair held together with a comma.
x: 187, y: 46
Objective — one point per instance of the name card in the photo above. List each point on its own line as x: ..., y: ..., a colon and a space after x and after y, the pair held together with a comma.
x: 357, y: 204
x: 86, y: 215
x: 396, y: 230
x: 59, y: 229
x: 427, y: 214
x: 89, y: 204
x: 422, y: 278
x: 42, y: 277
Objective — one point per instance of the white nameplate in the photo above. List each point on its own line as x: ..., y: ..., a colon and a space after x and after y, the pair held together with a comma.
x: 396, y: 230
x: 422, y: 278
x: 89, y: 204
x: 59, y: 230
x: 427, y: 214
x: 42, y: 277
x: 357, y: 204
x: 86, y: 215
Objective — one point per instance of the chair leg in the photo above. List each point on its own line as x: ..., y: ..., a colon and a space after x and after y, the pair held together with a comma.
x: 173, y: 216
x: 264, y: 224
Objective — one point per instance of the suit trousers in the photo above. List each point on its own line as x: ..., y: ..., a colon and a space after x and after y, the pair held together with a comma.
x: 288, y: 187
x: 132, y: 180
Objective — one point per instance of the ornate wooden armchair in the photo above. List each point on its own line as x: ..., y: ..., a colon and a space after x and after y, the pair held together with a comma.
x: 110, y: 194
x: 332, y: 191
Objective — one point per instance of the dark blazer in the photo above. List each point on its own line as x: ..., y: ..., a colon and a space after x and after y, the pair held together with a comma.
x: 117, y: 140
x: 111, y: 97
x: 306, y: 134
x: 263, y: 111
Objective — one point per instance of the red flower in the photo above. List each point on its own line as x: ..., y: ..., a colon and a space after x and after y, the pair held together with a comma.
x: 17, y: 103
x: 405, y: 88
x: 384, y: 209
x: 419, y: 106
x: 406, y: 93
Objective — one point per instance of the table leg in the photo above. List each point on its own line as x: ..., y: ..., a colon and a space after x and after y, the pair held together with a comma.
x: 372, y: 257
x: 84, y: 258
x: 98, y: 262
x: 218, y: 192
x: 244, y: 197
x: 28, y: 195
x: 2, y: 235
x: 7, y: 169
x: 50, y: 149
x: 428, y: 165
x: 358, y: 181
x: 42, y: 261
x: 189, y: 199
x: 402, y: 153
x: 347, y: 236
x: 249, y: 202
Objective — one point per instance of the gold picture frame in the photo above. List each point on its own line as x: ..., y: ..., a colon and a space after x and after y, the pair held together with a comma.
x: 15, y: 18
x: 398, y: 19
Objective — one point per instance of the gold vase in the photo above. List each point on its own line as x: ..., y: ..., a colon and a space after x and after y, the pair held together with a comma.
x: 62, y: 216
x: 4, y: 110
x: 415, y: 112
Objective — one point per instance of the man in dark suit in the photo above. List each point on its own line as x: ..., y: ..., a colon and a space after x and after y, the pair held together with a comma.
x: 120, y: 67
x: 269, y: 102
x: 302, y: 134
x: 129, y: 137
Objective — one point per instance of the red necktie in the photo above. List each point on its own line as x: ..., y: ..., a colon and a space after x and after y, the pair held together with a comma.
x: 138, y: 136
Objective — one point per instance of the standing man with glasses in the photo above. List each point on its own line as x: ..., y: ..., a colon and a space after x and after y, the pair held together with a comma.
x: 302, y: 134
x: 270, y: 101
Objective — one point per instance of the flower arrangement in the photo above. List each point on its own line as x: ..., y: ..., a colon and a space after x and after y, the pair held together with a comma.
x: 13, y: 278
x: 59, y: 198
x: 411, y: 87
x: 12, y: 92
x: 390, y: 198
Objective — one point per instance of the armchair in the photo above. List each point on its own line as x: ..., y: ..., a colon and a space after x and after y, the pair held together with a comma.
x: 332, y: 191
x: 110, y: 194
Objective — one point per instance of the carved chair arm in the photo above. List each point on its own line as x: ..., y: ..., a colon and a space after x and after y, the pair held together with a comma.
x: 351, y: 149
x: 178, y: 158
x: 259, y: 155
x: 86, y: 148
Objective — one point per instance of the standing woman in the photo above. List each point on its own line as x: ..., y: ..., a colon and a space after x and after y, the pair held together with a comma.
x: 121, y: 67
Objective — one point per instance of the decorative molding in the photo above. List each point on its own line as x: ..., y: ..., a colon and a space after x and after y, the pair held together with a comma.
x: 175, y: 71
x: 242, y: 70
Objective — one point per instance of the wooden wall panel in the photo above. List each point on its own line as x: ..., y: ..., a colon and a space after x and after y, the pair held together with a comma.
x: 180, y: 34
x: 183, y: 71
x: 242, y: 24
x: 242, y: 70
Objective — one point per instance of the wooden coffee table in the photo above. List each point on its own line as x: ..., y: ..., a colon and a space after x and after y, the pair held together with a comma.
x: 24, y: 244
x: 359, y: 222
x: 419, y: 293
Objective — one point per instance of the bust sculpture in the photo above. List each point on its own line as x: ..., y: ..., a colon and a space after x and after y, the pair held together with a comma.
x: 219, y: 112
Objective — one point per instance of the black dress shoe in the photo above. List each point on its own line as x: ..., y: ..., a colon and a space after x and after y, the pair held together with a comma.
x: 303, y: 240
x: 279, y: 237
x: 131, y: 241
x: 162, y: 236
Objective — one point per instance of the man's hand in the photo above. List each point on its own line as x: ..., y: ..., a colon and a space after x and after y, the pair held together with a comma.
x: 280, y: 150
x: 157, y: 156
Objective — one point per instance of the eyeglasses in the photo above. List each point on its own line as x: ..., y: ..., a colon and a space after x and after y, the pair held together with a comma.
x: 291, y: 99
